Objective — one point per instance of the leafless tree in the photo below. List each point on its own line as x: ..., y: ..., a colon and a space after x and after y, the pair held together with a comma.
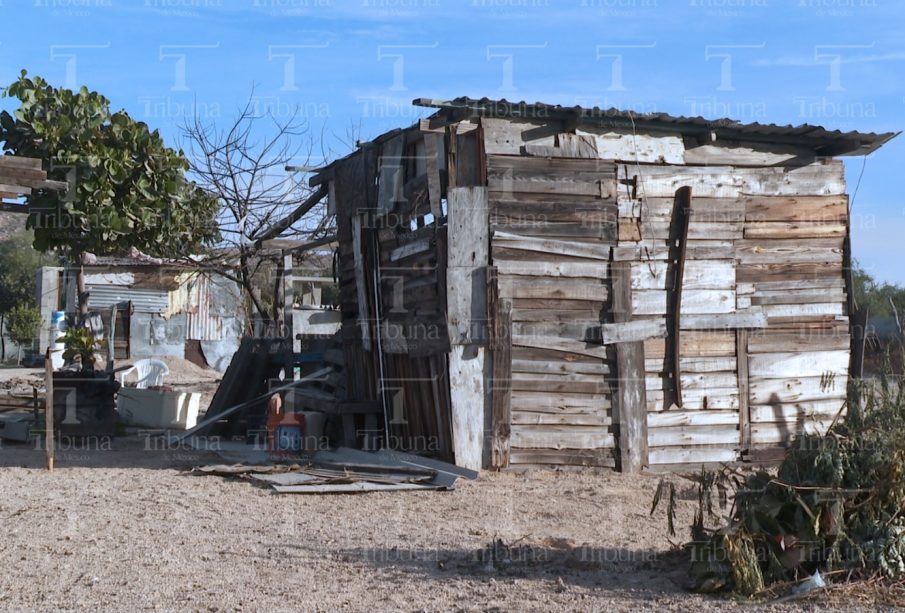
x: 257, y: 166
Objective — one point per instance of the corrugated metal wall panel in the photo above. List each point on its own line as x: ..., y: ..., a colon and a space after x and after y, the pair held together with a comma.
x: 143, y: 300
x: 200, y: 324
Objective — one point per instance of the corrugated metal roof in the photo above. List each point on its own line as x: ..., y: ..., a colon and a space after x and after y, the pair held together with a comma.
x: 824, y: 142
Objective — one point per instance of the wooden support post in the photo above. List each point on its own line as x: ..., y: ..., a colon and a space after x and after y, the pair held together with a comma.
x: 630, y: 399
x: 501, y: 346
x: 361, y: 286
x: 744, y: 418
x: 48, y: 409
x: 466, y: 298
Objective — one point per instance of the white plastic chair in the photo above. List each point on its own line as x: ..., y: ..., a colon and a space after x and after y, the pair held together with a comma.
x: 150, y: 373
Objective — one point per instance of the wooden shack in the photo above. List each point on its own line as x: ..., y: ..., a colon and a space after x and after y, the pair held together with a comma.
x: 525, y: 284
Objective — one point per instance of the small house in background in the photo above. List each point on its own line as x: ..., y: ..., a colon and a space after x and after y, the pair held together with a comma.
x: 161, y: 308
x: 526, y: 284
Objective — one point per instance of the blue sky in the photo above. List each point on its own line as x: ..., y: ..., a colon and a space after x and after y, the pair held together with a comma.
x: 352, y: 67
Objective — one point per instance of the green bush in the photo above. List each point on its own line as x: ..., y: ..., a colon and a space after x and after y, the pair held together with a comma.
x: 23, y: 323
x: 836, y: 503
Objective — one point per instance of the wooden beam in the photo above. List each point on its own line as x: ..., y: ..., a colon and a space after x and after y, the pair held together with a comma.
x: 501, y: 345
x: 281, y: 226
x: 466, y: 302
x: 630, y: 400
x: 361, y: 287
x: 285, y: 244
x: 678, y: 240
x: 744, y: 425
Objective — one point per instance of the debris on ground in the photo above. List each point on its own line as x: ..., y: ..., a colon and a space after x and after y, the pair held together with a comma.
x: 346, y: 471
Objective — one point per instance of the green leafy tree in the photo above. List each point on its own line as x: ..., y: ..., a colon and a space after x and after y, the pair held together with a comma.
x: 126, y: 188
x: 24, y: 323
x: 881, y: 299
x: 19, y: 264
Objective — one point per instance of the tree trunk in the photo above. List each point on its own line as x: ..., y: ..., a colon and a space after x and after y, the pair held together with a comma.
x: 82, y: 291
x: 2, y: 339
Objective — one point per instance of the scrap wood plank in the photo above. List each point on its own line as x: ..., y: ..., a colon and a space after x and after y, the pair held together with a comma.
x: 675, y: 436
x: 820, y: 179
x: 558, y: 344
x: 744, y: 417
x: 698, y: 274
x: 567, y: 457
x: 797, y: 208
x: 545, y: 288
x: 560, y: 437
x: 435, y: 152
x: 696, y: 343
x: 537, y: 418
x: 750, y: 318
x: 356, y: 487
x: 626, y: 146
x: 361, y: 288
x: 509, y: 136
x: 803, y: 364
x: 15, y: 161
x: 694, y: 302
x: 779, y: 251
x: 692, y: 364
x: 692, y: 418
x: 549, y: 245
x: 795, y: 411
x: 788, y: 230
x: 500, y: 311
x: 796, y: 272
x: 559, y: 366
x: 467, y: 258
x: 796, y: 389
x: 630, y: 400
x: 750, y: 154
x: 784, y: 432
x: 631, y: 331
x: 560, y: 402
x: 693, y: 455
x: 588, y: 230
x: 467, y: 397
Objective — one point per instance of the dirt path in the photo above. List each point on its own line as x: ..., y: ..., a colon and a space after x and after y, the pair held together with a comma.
x: 127, y: 529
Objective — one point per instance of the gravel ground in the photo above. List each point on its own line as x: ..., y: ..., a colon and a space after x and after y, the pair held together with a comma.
x: 123, y: 528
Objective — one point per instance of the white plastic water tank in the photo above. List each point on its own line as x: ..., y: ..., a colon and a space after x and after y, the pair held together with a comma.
x: 57, y: 328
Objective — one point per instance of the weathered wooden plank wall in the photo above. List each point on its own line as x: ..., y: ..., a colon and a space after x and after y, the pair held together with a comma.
x: 553, y: 224
x: 764, y: 257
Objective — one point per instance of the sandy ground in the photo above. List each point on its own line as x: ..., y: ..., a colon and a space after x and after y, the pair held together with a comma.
x: 122, y: 528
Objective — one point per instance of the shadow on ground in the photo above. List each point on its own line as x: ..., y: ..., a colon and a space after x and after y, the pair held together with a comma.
x: 637, y: 572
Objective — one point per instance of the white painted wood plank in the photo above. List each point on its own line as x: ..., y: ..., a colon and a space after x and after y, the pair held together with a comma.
x: 664, y: 419
x: 466, y: 386
x: 676, y: 436
x: 805, y: 364
x: 637, y: 330
x: 560, y: 437
x: 820, y: 410
x: 691, y: 455
x: 795, y: 389
x: 653, y: 302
